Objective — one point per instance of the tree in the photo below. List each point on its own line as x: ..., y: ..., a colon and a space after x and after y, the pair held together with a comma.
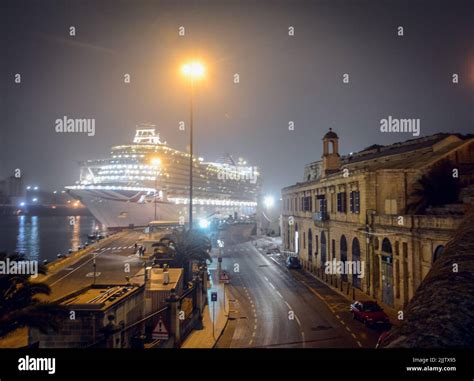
x: 184, y: 247
x: 435, y: 188
x: 19, y: 303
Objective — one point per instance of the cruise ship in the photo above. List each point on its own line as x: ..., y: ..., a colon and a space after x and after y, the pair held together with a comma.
x: 148, y: 180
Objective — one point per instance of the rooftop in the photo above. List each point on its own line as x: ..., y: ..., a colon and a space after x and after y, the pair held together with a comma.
x: 98, y: 297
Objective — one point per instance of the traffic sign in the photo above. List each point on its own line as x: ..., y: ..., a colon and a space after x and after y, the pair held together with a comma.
x: 224, y: 277
x: 160, y: 332
x: 213, y: 296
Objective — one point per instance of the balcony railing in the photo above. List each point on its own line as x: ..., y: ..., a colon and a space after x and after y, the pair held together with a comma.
x: 320, y: 216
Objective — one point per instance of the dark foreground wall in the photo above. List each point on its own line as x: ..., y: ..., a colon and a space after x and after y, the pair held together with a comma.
x: 441, y: 314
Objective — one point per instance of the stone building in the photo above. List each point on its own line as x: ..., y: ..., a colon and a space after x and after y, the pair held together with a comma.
x: 354, y: 209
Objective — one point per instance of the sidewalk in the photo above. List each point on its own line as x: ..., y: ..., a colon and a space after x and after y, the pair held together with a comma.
x: 205, y: 337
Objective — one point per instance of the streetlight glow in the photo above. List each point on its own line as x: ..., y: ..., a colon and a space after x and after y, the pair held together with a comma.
x: 156, y: 162
x: 269, y: 201
x: 194, y: 70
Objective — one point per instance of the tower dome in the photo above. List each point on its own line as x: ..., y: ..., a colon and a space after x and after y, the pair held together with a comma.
x: 330, y: 135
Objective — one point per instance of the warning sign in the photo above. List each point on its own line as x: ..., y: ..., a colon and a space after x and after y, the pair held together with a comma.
x: 160, y: 332
x: 224, y: 277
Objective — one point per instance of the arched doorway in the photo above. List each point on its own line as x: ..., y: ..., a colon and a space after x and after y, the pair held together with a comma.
x: 438, y: 251
x: 288, y: 237
x: 343, y: 248
x: 323, y: 249
x: 297, y: 240
x: 310, y: 246
x: 356, y: 259
x: 387, y: 272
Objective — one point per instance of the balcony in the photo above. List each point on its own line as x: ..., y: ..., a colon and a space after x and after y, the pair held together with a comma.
x: 320, y: 216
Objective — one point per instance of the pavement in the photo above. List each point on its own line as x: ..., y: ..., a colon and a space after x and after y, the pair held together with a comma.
x: 215, y: 316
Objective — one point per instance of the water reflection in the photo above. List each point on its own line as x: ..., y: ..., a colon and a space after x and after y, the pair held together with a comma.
x: 44, y: 237
x: 28, y: 238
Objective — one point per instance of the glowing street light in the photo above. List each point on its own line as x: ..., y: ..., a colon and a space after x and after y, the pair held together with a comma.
x: 269, y: 201
x: 193, y: 71
x: 156, y: 162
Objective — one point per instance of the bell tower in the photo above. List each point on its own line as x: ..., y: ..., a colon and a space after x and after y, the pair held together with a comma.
x: 331, y: 158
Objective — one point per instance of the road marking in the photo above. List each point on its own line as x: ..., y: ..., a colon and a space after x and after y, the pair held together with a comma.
x: 354, y: 336
x: 338, y: 316
x: 318, y: 295
x: 280, y: 295
x: 298, y: 320
x: 288, y: 305
x: 274, y: 260
x: 342, y: 322
x: 304, y: 339
x: 359, y: 344
x: 77, y: 268
x: 272, y: 286
x: 266, y: 278
x: 348, y: 329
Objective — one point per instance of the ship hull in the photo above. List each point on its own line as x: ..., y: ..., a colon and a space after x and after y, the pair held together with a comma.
x: 121, y: 209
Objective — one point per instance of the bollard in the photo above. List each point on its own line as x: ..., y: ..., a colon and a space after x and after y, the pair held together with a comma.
x: 174, y: 319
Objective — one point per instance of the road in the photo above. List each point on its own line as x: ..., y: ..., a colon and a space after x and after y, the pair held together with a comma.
x: 112, y: 258
x: 271, y: 306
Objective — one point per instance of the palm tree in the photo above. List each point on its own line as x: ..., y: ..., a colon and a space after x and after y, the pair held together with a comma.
x: 184, y: 247
x: 19, y: 303
x: 435, y: 188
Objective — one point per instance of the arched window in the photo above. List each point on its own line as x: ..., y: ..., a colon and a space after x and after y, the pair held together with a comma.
x: 356, y: 260
x: 386, y: 246
x: 387, y: 272
x: 323, y: 249
x: 438, y: 251
x: 343, y: 249
x: 297, y: 240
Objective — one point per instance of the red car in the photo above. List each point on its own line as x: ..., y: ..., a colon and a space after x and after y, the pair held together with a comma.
x: 369, y: 313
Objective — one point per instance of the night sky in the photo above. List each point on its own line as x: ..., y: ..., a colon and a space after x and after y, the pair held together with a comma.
x: 282, y: 78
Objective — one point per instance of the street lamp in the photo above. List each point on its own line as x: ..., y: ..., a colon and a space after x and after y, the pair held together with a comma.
x: 269, y: 201
x: 193, y: 71
x: 156, y: 162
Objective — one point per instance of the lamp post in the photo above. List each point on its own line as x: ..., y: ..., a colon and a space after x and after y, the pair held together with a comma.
x: 193, y: 71
x: 156, y: 162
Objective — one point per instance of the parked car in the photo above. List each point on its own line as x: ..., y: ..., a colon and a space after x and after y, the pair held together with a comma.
x: 369, y: 312
x: 293, y: 263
